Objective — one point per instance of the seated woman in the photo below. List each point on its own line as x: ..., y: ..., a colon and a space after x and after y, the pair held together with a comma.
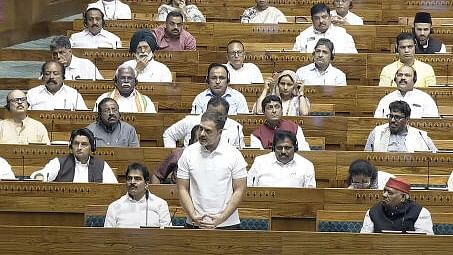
x: 190, y: 12
x: 290, y: 91
x: 263, y: 13
x: 342, y: 16
x: 364, y: 175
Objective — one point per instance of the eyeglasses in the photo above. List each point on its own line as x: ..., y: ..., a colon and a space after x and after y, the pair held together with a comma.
x: 396, y: 117
x: 234, y: 53
x: 18, y: 100
x: 361, y: 184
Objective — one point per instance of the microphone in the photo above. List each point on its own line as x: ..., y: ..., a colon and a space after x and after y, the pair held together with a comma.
x: 23, y: 169
x: 421, y: 135
x: 427, y: 184
x: 253, y: 181
x: 146, y: 214
x: 51, y: 129
x: 77, y: 99
x: 239, y: 138
x: 47, y: 177
x: 383, y: 113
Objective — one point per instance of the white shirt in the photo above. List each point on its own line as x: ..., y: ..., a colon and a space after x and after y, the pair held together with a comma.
x: 450, y: 182
x: 307, y: 39
x: 350, y: 18
x: 127, y: 104
x: 103, y: 39
x: 67, y: 98
x: 153, y: 72
x: 271, y: 15
x: 81, y: 68
x: 423, y: 223
x: 232, y: 132
x: 129, y: 213
x: 237, y: 102
x: 249, y: 73
x: 383, y: 178
x: 302, y: 143
x: 112, y: 10
x: 50, y: 172
x: 267, y: 171
x: 421, y: 103
x: 310, y: 75
x: 5, y: 170
x: 211, y: 178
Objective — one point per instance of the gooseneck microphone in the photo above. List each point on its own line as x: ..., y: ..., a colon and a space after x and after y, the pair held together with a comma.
x: 421, y: 135
x: 146, y: 213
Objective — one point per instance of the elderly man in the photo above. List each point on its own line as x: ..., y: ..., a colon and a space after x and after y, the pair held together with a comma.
x: 138, y: 207
x: 143, y: 44
x: 211, y: 178
x: 405, y: 44
x: 322, y: 28
x: 321, y: 71
x: 21, y: 129
x: 240, y: 72
x: 282, y: 167
x: 342, y: 14
x: 397, y: 135
x: 425, y: 43
x: 53, y: 94
x: 263, y: 13
x: 263, y: 136
x: 421, y: 103
x: 397, y: 212
x: 232, y: 132
x: 94, y: 35
x: 109, y: 130
x: 125, y: 94
x: 112, y: 9
x: 218, y: 80
x: 172, y: 36
x: 75, y: 68
x: 78, y: 165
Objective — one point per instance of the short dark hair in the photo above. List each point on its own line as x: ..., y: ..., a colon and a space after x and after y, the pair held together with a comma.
x: 216, y: 117
x: 193, y: 133
x: 235, y: 41
x: 281, y: 135
x: 139, y: 167
x: 400, y: 106
x: 270, y: 98
x: 63, y: 70
x: 103, y: 102
x: 362, y: 167
x: 319, y: 7
x: 214, y: 65
x: 326, y: 42
x: 216, y: 101
x: 83, y: 132
x: 404, y: 36
x: 60, y: 41
x: 174, y: 14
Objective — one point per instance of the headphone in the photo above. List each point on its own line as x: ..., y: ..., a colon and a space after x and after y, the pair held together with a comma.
x: 213, y: 65
x: 85, y: 19
x: 414, y: 78
x: 83, y: 132
x: 281, y: 134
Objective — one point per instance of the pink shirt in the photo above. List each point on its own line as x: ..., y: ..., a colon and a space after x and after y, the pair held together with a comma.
x: 185, y: 41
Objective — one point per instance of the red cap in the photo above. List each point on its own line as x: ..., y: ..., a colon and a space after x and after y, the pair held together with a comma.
x: 399, y: 184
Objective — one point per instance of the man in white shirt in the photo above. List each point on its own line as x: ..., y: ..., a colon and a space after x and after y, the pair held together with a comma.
x: 143, y: 44
x: 282, y: 167
x: 138, y: 207
x: 342, y: 14
x: 321, y: 71
x: 421, y: 103
x: 218, y: 80
x: 240, y: 72
x: 94, y: 35
x: 75, y: 68
x: 112, y: 9
x: 125, y: 94
x: 263, y: 13
x: 211, y: 178
x: 6, y: 173
x: 322, y: 28
x: 78, y: 165
x: 423, y: 27
x: 232, y: 132
x: 53, y: 94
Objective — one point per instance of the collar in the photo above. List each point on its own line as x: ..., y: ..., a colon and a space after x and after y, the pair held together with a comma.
x: 227, y: 92
x: 275, y: 160
x: 314, y: 68
x: 101, y: 33
x: 77, y: 162
x: 220, y: 149
x: 232, y: 67
x: 44, y: 89
x: 73, y: 63
x: 132, y: 95
x: 141, y: 201
x: 316, y: 32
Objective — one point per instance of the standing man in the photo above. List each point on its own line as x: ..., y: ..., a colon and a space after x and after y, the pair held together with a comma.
x: 211, y: 178
x: 172, y: 36
x: 112, y: 9
x: 109, y: 130
x: 421, y: 103
x: 425, y: 43
x: 405, y: 43
x: 138, y: 207
x: 322, y: 28
x: 53, y: 94
x: 240, y: 72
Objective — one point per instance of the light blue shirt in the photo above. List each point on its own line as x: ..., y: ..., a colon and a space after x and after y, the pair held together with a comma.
x: 237, y: 102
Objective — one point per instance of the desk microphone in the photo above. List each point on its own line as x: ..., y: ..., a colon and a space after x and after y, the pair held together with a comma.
x: 383, y: 113
x: 239, y: 138
x: 47, y: 177
x: 23, y: 168
x: 146, y: 215
x: 52, y: 123
x: 420, y: 132
x: 77, y: 99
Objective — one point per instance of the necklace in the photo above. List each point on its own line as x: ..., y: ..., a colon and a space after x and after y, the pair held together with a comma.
x: 105, y: 11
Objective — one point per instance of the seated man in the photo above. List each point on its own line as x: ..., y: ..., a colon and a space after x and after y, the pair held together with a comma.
x: 397, y: 212
x: 342, y: 14
x: 78, y: 165
x: 232, y: 132
x: 263, y: 13
x: 54, y: 94
x: 218, y: 80
x: 112, y: 9
x: 405, y: 44
x: 94, y: 35
x: 364, y: 175
x: 143, y: 44
x: 6, y: 173
x: 425, y: 43
x: 397, y: 135
x: 172, y: 36
x: 282, y: 167
x: 322, y: 28
x: 263, y: 136
x: 138, y: 207
x: 421, y: 103
x: 75, y: 68
x: 109, y: 130
x: 21, y: 129
x: 240, y: 72
x: 125, y: 94
x: 321, y: 71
